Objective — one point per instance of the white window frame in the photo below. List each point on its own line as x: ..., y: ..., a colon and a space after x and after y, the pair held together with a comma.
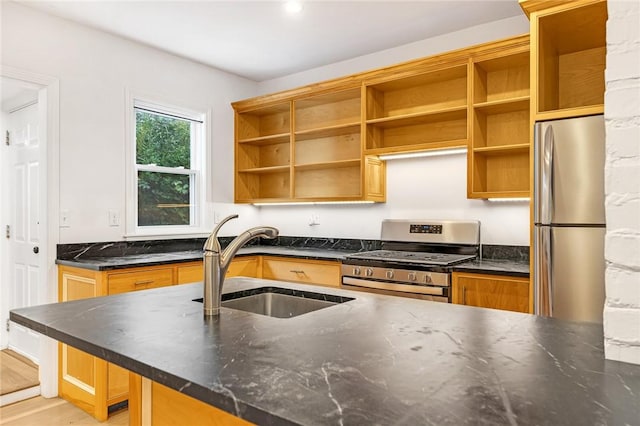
x: 200, y: 140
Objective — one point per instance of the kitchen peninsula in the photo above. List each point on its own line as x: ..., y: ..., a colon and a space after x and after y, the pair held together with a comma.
x: 371, y: 360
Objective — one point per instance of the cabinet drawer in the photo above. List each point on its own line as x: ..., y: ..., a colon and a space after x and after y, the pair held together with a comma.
x: 139, y: 280
x: 190, y: 273
x: 244, y: 267
x: 302, y: 271
x: 491, y: 291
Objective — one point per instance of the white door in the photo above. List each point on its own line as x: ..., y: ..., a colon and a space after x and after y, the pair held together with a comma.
x: 26, y: 263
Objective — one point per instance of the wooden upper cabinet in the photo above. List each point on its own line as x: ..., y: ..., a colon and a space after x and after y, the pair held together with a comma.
x: 416, y: 113
x: 498, y: 157
x: 305, y: 148
x: 263, y: 153
x: 568, y: 53
x: 327, y: 147
x: 321, y: 142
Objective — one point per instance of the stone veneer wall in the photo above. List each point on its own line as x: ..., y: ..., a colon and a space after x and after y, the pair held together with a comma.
x: 622, y: 182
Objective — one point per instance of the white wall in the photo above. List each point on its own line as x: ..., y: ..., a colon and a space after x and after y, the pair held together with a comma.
x: 4, y: 243
x: 418, y: 188
x: 471, y: 36
x: 622, y: 182
x: 94, y: 69
x: 429, y: 188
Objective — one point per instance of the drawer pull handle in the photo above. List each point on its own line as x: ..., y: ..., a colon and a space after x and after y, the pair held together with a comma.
x: 143, y: 282
x: 297, y: 271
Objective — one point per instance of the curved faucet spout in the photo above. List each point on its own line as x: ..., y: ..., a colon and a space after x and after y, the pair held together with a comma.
x: 216, y: 261
x: 212, y: 243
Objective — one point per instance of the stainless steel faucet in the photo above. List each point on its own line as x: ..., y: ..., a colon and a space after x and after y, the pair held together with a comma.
x: 216, y: 261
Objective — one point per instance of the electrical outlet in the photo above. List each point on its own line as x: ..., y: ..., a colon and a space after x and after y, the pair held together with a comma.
x: 114, y: 217
x: 314, y: 220
x: 65, y: 219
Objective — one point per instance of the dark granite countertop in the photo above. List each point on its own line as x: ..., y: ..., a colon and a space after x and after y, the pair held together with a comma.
x: 105, y: 263
x: 375, y: 360
x: 517, y: 268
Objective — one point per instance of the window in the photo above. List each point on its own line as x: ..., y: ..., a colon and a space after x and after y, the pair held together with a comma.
x: 166, y: 184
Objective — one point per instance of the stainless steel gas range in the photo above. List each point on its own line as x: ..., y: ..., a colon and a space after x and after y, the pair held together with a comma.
x: 415, y: 260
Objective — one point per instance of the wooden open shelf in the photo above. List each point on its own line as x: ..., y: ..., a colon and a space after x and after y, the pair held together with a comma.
x: 321, y: 141
x: 424, y: 111
x: 328, y: 182
x: 500, y: 127
x: 428, y: 92
x: 417, y: 131
x: 328, y: 111
x: 272, y: 120
x: 335, y: 144
x: 506, y: 127
x: 570, y: 53
x: 264, y: 185
x: 267, y: 140
x: 501, y: 78
x: 501, y: 173
x: 252, y: 156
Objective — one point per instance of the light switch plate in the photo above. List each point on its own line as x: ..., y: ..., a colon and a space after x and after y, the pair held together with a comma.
x: 114, y: 217
x: 65, y: 219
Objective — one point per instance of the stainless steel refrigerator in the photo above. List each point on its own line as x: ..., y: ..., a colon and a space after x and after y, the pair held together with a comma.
x: 569, y: 218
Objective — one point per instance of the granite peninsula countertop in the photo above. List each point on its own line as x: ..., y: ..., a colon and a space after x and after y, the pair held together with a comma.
x: 376, y: 360
x: 105, y: 263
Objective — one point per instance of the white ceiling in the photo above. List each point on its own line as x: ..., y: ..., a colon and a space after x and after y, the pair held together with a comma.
x: 260, y: 41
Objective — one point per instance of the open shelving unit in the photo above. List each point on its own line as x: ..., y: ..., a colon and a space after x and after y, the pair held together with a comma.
x: 321, y: 142
x: 569, y: 47
x: 306, y: 148
x: 499, y: 146
x: 424, y: 111
x: 328, y: 146
x: 263, y: 153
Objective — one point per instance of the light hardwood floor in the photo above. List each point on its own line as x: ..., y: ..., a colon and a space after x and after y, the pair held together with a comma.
x: 17, y: 372
x: 39, y: 411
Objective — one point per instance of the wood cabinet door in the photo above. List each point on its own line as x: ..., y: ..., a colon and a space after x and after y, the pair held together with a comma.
x: 122, y: 282
x: 322, y: 272
x: 491, y: 291
x: 190, y: 273
x: 245, y: 267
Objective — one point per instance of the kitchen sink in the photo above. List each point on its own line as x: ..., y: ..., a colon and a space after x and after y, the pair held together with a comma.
x: 279, y: 302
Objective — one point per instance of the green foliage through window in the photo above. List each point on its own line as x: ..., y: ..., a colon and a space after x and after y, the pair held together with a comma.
x: 163, y: 198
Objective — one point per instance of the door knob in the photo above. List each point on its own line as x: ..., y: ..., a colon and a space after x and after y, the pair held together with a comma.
x: 36, y: 249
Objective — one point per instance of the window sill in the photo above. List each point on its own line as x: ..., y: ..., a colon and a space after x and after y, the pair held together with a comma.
x: 164, y: 235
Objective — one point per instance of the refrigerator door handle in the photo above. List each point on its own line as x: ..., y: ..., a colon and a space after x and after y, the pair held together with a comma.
x: 547, y: 175
x: 543, y: 173
x: 543, y: 267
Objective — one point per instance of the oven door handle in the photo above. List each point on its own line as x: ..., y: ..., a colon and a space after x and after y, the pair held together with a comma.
x: 405, y: 288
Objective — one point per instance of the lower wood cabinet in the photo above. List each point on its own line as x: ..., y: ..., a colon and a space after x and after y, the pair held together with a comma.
x: 159, y: 405
x: 491, y: 291
x: 86, y: 381
x: 306, y: 271
x: 94, y: 384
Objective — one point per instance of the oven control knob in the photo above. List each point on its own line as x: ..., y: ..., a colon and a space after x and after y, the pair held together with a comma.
x: 356, y: 271
x: 369, y: 272
x: 411, y: 276
x: 390, y: 274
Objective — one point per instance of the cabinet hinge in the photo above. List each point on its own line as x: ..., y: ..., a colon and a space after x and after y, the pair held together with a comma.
x: 8, y: 231
x: 7, y: 138
x: 8, y: 323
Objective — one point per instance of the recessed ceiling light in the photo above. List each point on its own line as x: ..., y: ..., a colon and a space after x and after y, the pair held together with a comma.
x: 292, y: 7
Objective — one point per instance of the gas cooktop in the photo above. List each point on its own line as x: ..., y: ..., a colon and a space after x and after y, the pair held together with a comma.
x: 425, y: 258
